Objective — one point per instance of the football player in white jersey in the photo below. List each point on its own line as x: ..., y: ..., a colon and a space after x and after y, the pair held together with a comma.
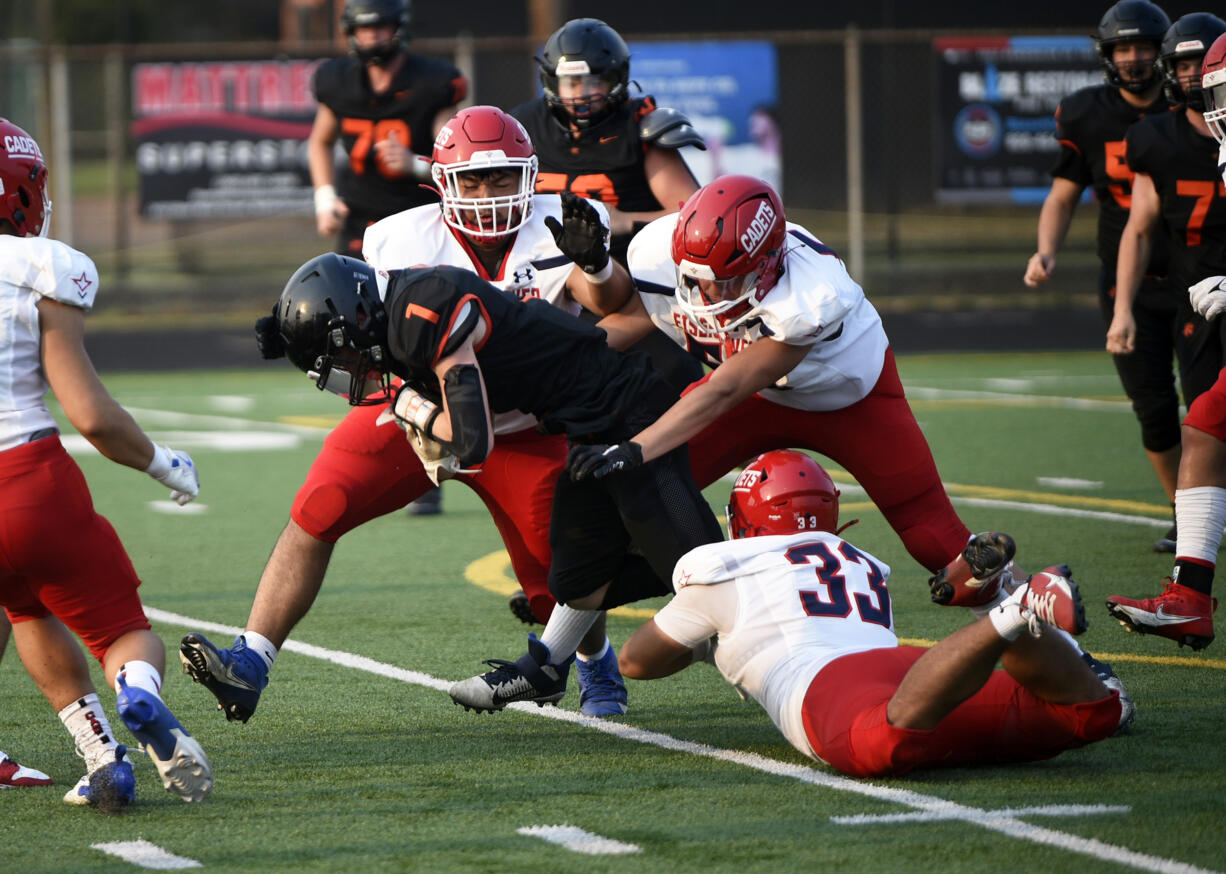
x: 61, y: 564
x: 800, y: 620
x: 534, y: 246
x: 799, y: 358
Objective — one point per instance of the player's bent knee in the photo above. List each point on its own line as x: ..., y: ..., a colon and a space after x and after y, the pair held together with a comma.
x: 319, y: 510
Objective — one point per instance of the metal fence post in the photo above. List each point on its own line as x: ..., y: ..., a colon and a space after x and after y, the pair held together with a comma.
x: 61, y: 147
x: 116, y: 115
x: 855, y: 153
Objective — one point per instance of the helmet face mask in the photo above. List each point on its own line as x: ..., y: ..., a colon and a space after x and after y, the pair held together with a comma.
x: 1188, y: 40
x: 728, y: 245
x: 1213, y: 88
x: 376, y: 13
x: 1131, y: 21
x: 782, y: 492
x: 587, y: 48
x: 334, y: 327
x: 24, y: 203
x: 482, y: 149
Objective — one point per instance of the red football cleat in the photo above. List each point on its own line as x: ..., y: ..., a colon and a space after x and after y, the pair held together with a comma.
x: 1053, y: 597
x: 14, y: 776
x: 974, y: 577
x: 1182, y: 614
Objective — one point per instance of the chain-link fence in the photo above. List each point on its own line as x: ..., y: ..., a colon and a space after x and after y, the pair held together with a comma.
x: 859, y: 117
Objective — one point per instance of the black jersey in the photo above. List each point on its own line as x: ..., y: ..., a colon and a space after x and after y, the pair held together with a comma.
x: 1183, y: 165
x: 420, y: 89
x: 534, y: 357
x: 606, y: 161
x: 1090, y: 125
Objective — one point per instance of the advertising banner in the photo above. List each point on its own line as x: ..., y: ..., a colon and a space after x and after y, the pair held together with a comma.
x: 997, y: 98
x: 223, y: 139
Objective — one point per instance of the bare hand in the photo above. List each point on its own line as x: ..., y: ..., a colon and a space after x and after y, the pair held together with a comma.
x: 1039, y: 269
x: 328, y: 222
x: 393, y: 156
x: 1122, y: 335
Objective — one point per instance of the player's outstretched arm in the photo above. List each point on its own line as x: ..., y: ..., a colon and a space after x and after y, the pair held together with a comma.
x: 98, y: 416
x: 650, y: 654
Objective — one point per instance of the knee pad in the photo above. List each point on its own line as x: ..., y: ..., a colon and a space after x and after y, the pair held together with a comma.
x: 1158, y: 416
x: 319, y: 508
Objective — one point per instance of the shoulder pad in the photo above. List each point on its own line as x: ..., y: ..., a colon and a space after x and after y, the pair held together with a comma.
x: 670, y: 129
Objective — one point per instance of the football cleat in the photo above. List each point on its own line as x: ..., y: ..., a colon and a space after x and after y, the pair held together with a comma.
x: 530, y: 678
x: 601, y: 689
x: 234, y: 676
x: 1166, y: 543
x: 15, y: 776
x: 429, y: 504
x: 108, y: 787
x: 522, y: 607
x: 1128, y: 710
x: 1180, y: 613
x: 974, y: 577
x: 1053, y: 597
x: 184, y: 767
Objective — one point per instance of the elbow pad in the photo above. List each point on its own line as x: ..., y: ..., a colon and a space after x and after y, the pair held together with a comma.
x: 469, y: 423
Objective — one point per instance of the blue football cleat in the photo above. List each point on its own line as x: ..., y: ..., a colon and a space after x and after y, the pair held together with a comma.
x: 184, y: 767
x: 108, y: 787
x: 234, y: 676
x: 601, y: 689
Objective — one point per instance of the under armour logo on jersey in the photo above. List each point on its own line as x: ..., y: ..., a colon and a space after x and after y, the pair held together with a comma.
x: 523, y: 277
x: 82, y: 282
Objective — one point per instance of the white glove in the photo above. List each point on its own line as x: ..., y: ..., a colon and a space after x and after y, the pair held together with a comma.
x: 438, y: 462
x: 1209, y: 296
x: 1221, y: 160
x: 175, y: 469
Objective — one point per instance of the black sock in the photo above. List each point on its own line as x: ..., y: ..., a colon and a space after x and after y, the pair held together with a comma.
x: 1194, y: 575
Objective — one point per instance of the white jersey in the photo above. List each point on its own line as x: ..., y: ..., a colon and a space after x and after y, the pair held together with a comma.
x: 32, y: 268
x: 815, y: 303
x: 534, y: 266
x: 783, y: 607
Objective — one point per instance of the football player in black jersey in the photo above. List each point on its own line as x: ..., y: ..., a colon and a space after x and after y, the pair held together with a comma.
x: 596, y: 140
x: 466, y: 350
x: 385, y: 105
x: 1177, y: 185
x: 1090, y: 126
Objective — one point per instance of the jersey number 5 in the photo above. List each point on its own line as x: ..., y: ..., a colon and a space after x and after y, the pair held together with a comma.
x: 368, y: 132
x: 1118, y: 169
x: 833, y: 601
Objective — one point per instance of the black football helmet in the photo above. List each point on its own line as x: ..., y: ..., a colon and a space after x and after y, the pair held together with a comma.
x: 1188, y: 37
x: 585, y: 46
x: 1131, y: 21
x: 371, y: 13
x: 333, y: 327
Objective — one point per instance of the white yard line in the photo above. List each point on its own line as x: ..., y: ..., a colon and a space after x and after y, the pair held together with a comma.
x: 998, y: 821
x: 146, y: 855
x: 579, y: 841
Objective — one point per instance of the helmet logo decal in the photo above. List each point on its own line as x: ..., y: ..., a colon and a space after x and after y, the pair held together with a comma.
x: 21, y: 147
x: 747, y: 479
x: 572, y: 68
x: 758, y: 229
x: 1190, y: 45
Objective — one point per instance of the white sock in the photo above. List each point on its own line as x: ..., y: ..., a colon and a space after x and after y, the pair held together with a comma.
x: 140, y: 675
x: 1200, y: 515
x: 1008, y: 618
x: 564, y: 630
x: 90, y: 729
x: 594, y: 658
x: 261, y: 646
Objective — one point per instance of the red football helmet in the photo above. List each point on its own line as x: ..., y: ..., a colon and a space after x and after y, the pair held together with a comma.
x: 782, y: 492
x: 1213, y: 86
x: 23, y: 182
x: 481, y: 139
x: 731, y: 235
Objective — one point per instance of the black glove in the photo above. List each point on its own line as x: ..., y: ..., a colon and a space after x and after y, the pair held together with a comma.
x: 598, y: 460
x: 580, y: 235
x: 268, y: 336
